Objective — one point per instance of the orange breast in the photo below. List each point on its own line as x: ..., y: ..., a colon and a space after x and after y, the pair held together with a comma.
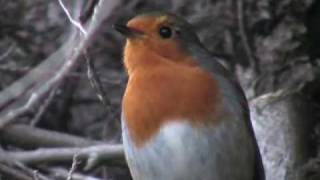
x: 157, y: 95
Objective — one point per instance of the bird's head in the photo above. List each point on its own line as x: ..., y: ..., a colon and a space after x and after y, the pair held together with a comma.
x: 166, y: 34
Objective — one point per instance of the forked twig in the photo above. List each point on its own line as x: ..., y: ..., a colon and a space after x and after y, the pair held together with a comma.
x: 74, y: 22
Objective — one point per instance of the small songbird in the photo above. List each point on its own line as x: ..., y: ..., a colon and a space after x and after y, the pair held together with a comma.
x: 184, y: 116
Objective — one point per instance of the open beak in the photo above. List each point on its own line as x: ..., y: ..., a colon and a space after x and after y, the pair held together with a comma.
x: 126, y: 31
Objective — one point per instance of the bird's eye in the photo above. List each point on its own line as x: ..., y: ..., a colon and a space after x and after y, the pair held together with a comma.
x: 165, y: 32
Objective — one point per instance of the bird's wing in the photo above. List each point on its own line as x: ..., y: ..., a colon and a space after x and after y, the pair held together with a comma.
x: 233, y: 90
x: 258, y: 166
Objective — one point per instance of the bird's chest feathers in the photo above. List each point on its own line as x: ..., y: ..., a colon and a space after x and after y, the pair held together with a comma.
x: 164, y: 94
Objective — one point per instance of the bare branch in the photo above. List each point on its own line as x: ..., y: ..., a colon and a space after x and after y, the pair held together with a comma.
x: 11, y: 172
x: 21, y: 70
x: 36, y: 175
x: 74, y: 165
x: 18, y: 166
x: 96, y: 83
x: 74, y: 22
x: 43, y: 108
x: 52, y: 155
x: 57, y: 66
x: 12, y: 168
x: 12, y: 115
x: 30, y: 137
x: 61, y: 173
x: 88, y: 11
x: 269, y: 98
x: 7, y: 53
x: 244, y: 38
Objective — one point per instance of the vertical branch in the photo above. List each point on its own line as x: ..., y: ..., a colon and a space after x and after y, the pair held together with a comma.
x: 96, y: 83
x: 74, y: 165
x: 245, y: 40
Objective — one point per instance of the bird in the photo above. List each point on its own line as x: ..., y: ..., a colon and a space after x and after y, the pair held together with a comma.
x: 184, y: 115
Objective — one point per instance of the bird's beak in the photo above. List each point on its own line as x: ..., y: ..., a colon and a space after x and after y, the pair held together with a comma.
x: 127, y: 31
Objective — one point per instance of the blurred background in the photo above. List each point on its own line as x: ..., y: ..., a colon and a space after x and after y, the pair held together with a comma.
x: 49, y: 103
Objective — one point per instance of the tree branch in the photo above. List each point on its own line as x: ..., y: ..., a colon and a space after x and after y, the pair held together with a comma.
x: 30, y: 137
x: 11, y: 172
x: 100, y: 153
x: 57, y: 66
x: 60, y: 173
x: 245, y: 40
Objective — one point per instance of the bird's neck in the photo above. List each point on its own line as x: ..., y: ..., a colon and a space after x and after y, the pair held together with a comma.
x: 142, y: 55
x: 136, y: 56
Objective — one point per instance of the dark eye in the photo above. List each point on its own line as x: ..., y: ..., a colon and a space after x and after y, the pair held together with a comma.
x: 165, y: 32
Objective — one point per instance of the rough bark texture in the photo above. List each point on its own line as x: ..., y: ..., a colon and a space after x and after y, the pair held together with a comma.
x: 284, y: 131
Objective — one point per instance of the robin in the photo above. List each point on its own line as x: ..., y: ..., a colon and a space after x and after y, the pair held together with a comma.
x: 184, y: 116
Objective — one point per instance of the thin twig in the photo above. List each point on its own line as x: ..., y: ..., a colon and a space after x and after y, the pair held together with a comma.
x: 9, y: 68
x: 60, y: 173
x: 74, y: 165
x: 96, y: 83
x: 31, y: 172
x: 7, y: 53
x: 13, y: 173
x: 245, y: 40
x: 36, y: 175
x: 43, y: 108
x: 63, y: 61
x: 32, y: 87
x: 102, y: 153
x: 5, y: 159
x: 74, y: 22
x: 12, y: 115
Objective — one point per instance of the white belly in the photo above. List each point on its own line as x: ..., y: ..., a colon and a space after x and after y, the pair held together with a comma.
x: 180, y: 152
